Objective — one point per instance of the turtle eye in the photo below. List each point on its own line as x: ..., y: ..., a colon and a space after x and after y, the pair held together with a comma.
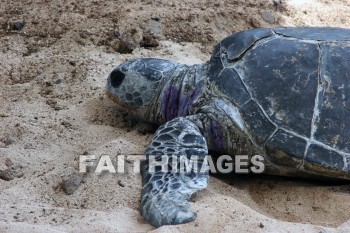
x: 116, y: 78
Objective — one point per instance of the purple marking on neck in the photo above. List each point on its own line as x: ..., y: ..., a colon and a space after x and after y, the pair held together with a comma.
x: 175, y: 104
x: 186, y: 101
x: 214, y: 130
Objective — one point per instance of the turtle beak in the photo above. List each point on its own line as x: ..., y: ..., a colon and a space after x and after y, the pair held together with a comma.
x: 116, y: 100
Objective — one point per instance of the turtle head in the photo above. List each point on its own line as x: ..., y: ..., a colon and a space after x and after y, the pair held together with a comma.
x: 136, y: 85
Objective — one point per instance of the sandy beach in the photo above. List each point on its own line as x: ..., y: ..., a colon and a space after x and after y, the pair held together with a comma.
x: 55, y: 57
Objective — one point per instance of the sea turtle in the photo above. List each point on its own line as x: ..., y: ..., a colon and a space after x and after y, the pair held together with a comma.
x: 283, y: 93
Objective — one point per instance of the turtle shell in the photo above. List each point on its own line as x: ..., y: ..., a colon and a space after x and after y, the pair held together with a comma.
x: 292, y: 87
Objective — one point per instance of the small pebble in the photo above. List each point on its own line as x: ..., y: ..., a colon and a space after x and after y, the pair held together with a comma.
x: 58, y: 81
x: 268, y: 17
x: 6, y: 175
x: 276, y: 3
x: 18, y: 25
x: 155, y: 19
x: 121, y: 184
x: 66, y: 124
x: 72, y: 182
x: 8, y: 162
x: 72, y: 63
x: 13, y: 171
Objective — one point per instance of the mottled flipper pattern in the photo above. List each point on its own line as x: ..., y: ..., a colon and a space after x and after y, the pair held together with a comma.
x: 165, y: 194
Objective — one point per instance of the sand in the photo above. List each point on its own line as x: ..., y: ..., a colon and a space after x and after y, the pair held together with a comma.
x: 53, y: 109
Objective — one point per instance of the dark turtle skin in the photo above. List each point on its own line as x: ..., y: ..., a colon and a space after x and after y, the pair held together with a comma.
x: 283, y: 93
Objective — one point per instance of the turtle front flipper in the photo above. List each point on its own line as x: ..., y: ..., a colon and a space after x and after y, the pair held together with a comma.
x: 167, y: 188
